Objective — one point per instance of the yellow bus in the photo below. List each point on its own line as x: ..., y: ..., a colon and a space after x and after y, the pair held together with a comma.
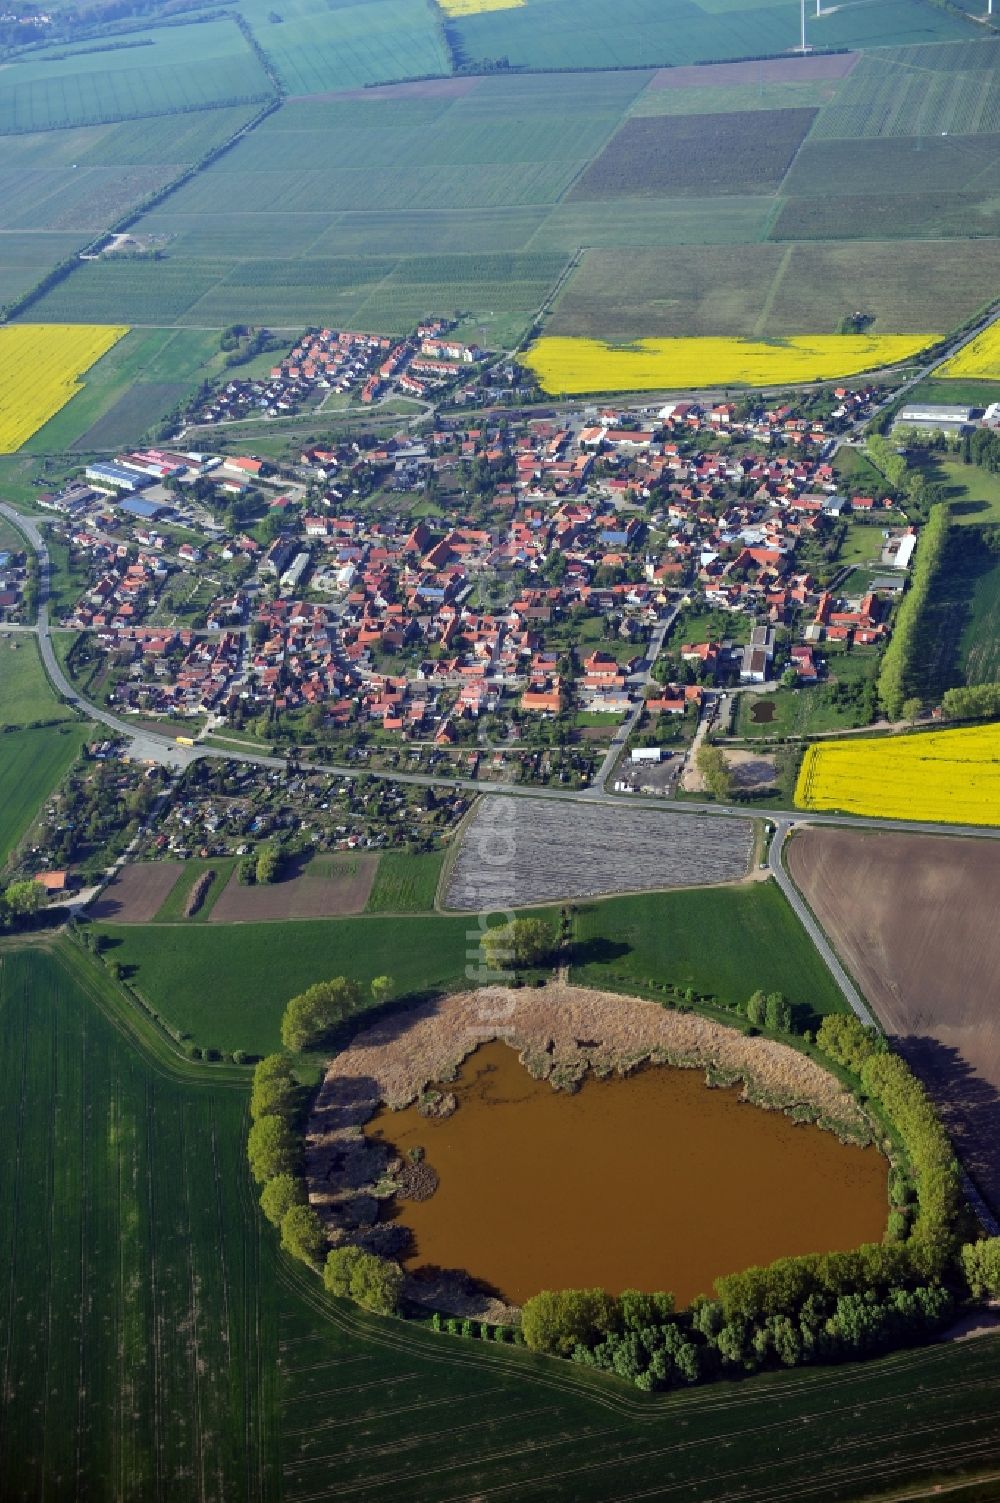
x: 184, y: 740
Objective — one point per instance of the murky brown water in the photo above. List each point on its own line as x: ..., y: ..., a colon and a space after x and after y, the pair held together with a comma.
x: 652, y: 1182
x: 762, y: 712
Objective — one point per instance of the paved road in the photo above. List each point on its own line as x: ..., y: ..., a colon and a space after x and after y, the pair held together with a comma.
x: 776, y: 862
x: 149, y: 745
x: 631, y: 720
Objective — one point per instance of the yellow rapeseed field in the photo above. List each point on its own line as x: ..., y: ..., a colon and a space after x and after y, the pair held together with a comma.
x: 573, y: 366
x: 945, y: 776
x: 980, y: 358
x: 473, y: 7
x: 39, y: 367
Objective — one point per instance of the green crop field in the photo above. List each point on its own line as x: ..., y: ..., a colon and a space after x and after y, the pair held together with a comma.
x: 25, y: 692
x: 405, y: 883
x: 398, y: 223
x: 164, y: 70
x: 132, y: 1328
x: 61, y: 188
x: 935, y: 164
x: 913, y: 215
x: 979, y: 648
x: 773, y: 290
x: 572, y: 33
x: 475, y: 193
x: 721, y: 98
x: 626, y: 223
x: 315, y: 46
x: 155, y: 1343
x: 960, y: 626
x: 32, y: 763
x: 227, y: 984
x: 916, y: 91
x: 723, y: 942
x: 143, y: 376
x: 740, y: 152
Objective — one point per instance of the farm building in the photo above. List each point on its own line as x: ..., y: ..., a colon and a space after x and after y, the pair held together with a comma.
x: 118, y: 476
x: 935, y: 418
x: 146, y: 511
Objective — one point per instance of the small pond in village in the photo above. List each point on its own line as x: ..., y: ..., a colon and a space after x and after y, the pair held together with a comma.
x: 651, y: 1181
x: 763, y: 711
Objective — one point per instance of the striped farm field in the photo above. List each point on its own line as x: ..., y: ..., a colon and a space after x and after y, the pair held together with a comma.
x: 572, y: 366
x: 950, y: 777
x: 980, y: 358
x: 40, y: 366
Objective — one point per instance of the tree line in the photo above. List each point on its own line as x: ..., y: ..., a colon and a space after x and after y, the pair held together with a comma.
x: 798, y: 1310
x: 899, y: 674
x: 822, y: 1307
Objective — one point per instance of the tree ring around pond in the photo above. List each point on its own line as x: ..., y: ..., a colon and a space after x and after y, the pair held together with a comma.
x: 641, y: 1178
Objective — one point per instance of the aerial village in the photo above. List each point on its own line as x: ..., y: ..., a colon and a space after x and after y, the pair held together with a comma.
x: 486, y: 589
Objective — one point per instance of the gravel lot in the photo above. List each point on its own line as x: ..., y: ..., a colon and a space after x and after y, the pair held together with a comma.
x: 516, y: 852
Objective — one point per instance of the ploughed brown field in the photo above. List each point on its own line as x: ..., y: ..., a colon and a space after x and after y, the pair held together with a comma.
x: 137, y: 893
x: 916, y: 919
x: 325, y: 887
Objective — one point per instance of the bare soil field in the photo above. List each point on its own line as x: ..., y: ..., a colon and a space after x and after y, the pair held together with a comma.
x: 750, y: 769
x: 914, y: 918
x: 742, y: 152
x: 767, y: 70
x: 516, y: 852
x: 325, y: 887
x: 137, y: 893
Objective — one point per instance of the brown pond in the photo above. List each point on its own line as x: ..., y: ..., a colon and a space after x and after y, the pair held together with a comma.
x: 651, y: 1182
x: 762, y: 712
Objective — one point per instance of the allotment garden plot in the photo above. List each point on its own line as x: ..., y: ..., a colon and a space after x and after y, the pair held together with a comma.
x: 521, y: 851
x: 137, y: 892
x: 914, y: 919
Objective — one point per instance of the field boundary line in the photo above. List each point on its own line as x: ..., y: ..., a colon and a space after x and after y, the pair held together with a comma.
x: 711, y: 1398
x: 777, y: 281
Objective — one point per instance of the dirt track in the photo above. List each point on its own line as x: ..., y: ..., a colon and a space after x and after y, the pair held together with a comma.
x: 916, y: 919
x: 137, y: 893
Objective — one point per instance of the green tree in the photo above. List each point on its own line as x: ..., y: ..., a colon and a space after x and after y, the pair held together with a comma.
x: 309, y: 1017
x: 981, y: 1265
x: 382, y: 989
x: 715, y: 770
x: 912, y: 708
x: 279, y: 1195
x: 271, y: 1149
x: 374, y: 1283
x: 778, y: 1013
x: 268, y: 867
x: 274, y: 1087
x: 557, y: 1320
x: 757, y: 1008
x: 521, y: 943
x: 22, y: 899
x: 340, y: 1265
x: 302, y: 1234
